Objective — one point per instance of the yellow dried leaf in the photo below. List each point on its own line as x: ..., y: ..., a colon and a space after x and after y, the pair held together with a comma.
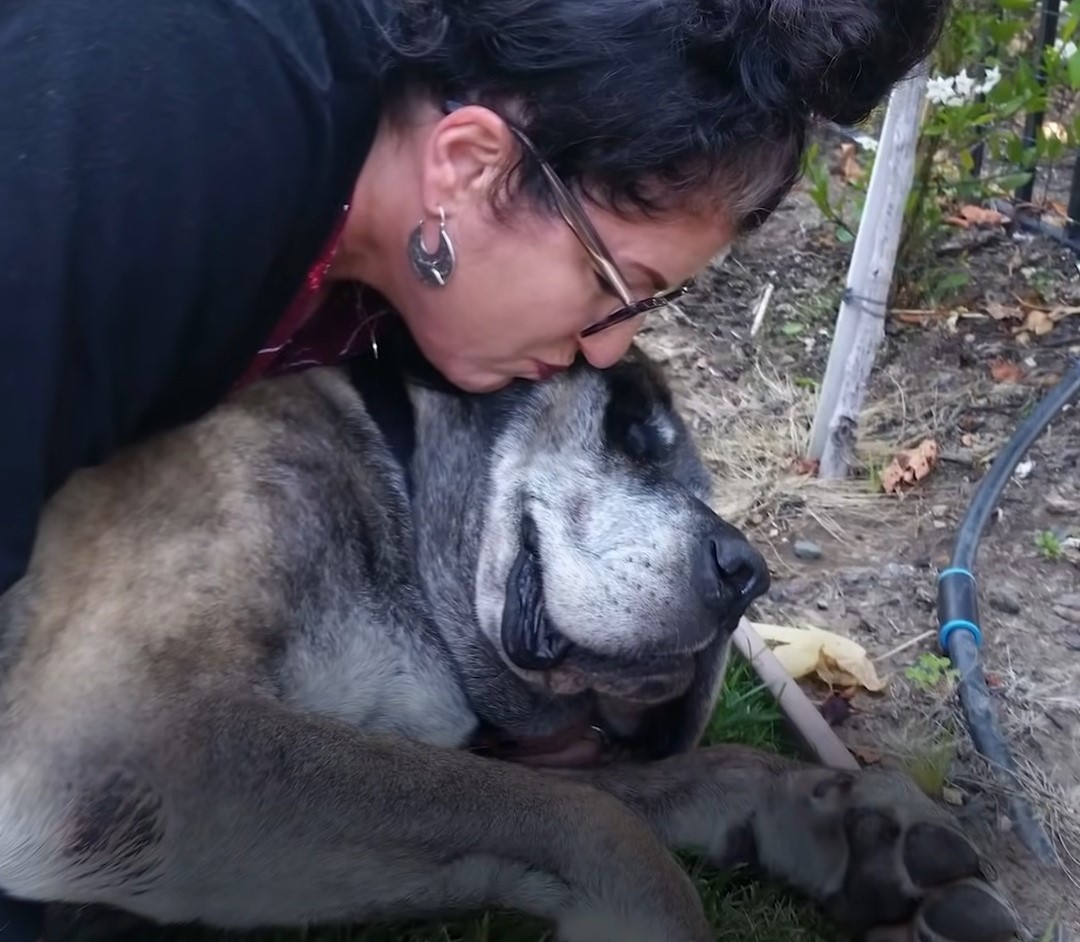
x: 834, y: 659
x: 1039, y: 322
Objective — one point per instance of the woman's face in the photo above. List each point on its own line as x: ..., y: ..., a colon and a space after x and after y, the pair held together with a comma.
x: 522, y: 288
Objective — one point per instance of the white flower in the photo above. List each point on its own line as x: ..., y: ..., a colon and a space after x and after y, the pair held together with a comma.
x: 961, y: 88
x: 941, y: 91
x: 990, y: 78
x: 1065, y: 48
x: 965, y: 85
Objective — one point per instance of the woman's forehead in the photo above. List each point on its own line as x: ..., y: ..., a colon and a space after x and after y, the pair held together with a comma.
x: 664, y: 251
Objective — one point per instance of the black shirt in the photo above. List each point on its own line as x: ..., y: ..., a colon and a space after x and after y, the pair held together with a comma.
x: 169, y: 169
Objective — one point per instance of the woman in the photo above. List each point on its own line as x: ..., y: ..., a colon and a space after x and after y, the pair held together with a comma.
x: 196, y: 193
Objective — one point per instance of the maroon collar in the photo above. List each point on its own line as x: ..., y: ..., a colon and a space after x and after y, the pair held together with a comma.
x: 307, y: 335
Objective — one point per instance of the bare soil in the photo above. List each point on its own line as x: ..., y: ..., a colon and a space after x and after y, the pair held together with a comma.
x: 939, y: 376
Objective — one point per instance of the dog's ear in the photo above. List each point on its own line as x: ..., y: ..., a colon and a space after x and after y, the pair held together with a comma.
x: 637, y: 397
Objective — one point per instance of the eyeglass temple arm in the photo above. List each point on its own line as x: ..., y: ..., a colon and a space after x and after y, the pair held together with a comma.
x: 580, y: 223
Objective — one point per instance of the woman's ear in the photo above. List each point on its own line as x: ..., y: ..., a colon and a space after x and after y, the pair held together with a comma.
x: 466, y: 153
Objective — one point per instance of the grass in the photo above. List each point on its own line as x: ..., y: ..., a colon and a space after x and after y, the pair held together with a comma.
x: 741, y: 910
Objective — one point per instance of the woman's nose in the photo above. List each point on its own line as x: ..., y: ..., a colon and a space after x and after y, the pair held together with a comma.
x: 609, y: 346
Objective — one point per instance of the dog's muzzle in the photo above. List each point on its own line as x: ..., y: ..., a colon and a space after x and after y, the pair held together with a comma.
x: 726, y: 575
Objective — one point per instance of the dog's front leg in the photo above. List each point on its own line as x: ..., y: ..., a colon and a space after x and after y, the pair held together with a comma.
x: 883, y: 859
x: 249, y: 815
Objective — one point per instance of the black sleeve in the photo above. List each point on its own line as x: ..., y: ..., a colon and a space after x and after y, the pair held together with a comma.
x: 154, y: 159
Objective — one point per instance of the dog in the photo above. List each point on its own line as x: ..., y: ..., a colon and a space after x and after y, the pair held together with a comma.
x: 358, y: 646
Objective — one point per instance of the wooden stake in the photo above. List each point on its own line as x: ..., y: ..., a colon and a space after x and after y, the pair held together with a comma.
x: 860, y: 323
x: 804, y: 717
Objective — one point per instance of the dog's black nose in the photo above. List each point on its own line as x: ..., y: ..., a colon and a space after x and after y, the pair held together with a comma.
x: 732, y: 573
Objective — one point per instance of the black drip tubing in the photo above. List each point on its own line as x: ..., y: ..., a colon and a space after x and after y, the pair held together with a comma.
x: 958, y: 615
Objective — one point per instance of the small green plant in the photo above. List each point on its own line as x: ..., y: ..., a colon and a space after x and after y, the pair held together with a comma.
x: 929, y: 764
x: 875, y: 479
x: 930, y: 670
x: 1049, y: 544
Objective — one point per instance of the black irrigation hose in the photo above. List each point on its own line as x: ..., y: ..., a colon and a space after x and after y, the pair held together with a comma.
x: 958, y: 614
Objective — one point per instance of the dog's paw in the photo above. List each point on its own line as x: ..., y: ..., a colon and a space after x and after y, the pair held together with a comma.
x: 881, y: 857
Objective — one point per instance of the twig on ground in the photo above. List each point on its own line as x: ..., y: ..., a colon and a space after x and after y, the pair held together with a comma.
x: 911, y: 642
x: 762, y: 307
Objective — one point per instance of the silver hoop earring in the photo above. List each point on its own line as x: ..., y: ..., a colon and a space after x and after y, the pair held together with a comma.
x: 433, y: 268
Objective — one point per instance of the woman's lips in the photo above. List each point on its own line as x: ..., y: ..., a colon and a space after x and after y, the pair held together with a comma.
x: 547, y: 370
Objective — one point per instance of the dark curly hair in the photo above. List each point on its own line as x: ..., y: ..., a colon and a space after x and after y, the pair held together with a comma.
x: 649, y: 105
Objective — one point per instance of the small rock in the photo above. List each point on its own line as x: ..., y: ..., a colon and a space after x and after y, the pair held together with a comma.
x: 1004, y: 601
x: 1061, y: 506
x: 952, y: 796
x: 939, y: 510
x: 822, y: 603
x: 807, y: 549
x: 1069, y: 614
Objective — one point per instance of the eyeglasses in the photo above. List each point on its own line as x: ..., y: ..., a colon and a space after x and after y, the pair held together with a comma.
x: 573, y: 213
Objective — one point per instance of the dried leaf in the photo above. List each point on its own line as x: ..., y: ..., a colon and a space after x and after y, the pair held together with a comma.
x: 1060, y: 313
x: 806, y: 466
x: 867, y: 755
x: 1005, y: 371
x: 850, y: 169
x: 968, y: 440
x: 1039, y: 322
x: 911, y: 466
x: 836, y: 660
x: 1002, y: 312
x: 911, y: 318
x: 980, y: 216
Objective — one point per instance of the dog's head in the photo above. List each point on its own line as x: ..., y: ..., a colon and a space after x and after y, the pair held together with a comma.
x: 575, y: 567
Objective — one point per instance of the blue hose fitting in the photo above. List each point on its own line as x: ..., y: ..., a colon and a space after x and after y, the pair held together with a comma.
x: 957, y: 605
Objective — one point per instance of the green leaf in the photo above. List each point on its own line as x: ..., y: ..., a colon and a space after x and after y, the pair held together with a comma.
x: 1074, y: 71
x: 844, y: 235
x: 1012, y: 181
x: 953, y: 280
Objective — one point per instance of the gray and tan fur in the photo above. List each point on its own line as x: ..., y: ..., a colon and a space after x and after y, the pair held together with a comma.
x: 290, y: 664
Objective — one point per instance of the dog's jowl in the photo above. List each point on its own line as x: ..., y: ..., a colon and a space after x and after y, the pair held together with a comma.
x: 349, y: 648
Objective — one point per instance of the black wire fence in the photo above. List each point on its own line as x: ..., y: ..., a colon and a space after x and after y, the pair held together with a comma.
x: 1022, y: 211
